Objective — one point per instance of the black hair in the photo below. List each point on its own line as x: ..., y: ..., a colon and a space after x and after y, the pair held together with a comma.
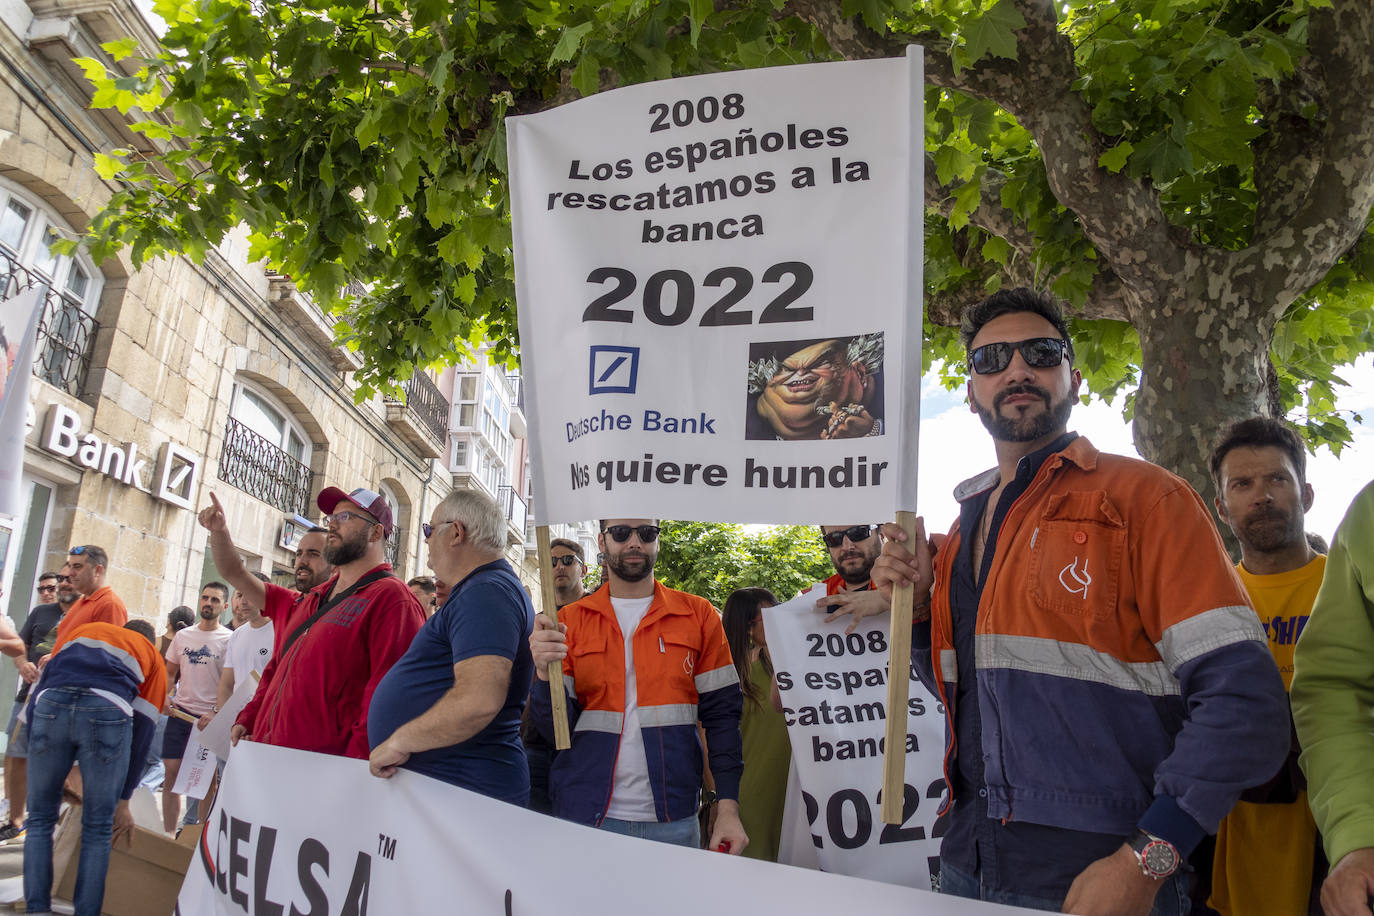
x: 1259, y: 432
x: 180, y: 618
x: 142, y: 628
x: 742, y: 608
x: 1008, y: 302
x: 217, y: 585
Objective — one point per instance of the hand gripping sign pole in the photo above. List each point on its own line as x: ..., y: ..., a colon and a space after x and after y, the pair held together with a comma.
x: 898, y: 689
x: 562, y: 740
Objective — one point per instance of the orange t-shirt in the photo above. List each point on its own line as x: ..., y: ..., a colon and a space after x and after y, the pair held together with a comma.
x: 100, y: 606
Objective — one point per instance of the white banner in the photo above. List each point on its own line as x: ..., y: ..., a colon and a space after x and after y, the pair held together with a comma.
x: 834, y: 690
x: 216, y: 734
x: 719, y: 289
x: 18, y: 333
x: 291, y: 829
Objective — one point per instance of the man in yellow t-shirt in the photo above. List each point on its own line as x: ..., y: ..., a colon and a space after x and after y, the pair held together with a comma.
x: 1266, y: 851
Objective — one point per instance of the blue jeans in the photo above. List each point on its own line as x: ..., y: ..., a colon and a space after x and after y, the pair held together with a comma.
x: 72, y: 724
x: 686, y: 832
x: 1172, y: 899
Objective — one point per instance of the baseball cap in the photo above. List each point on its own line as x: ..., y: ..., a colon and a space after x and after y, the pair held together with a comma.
x: 371, y: 503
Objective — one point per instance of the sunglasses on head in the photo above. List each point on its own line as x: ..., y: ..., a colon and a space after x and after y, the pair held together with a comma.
x: 566, y: 560
x: 78, y: 551
x: 621, y: 533
x: 856, y: 534
x: 1038, y: 352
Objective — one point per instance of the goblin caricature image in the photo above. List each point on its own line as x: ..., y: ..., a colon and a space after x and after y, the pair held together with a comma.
x: 822, y: 390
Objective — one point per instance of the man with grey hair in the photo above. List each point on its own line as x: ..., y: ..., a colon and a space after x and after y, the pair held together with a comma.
x: 469, y: 669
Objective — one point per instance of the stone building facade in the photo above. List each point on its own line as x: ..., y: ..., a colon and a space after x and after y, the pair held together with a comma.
x: 154, y: 387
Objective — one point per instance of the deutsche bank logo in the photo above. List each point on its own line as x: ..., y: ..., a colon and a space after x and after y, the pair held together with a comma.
x: 613, y: 370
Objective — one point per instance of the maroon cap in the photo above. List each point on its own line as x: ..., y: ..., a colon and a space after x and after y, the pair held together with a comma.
x: 372, y: 503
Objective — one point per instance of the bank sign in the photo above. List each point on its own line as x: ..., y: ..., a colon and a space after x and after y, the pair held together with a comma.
x: 171, y: 477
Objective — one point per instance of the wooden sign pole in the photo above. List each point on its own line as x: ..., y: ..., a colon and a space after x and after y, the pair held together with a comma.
x: 562, y: 739
x: 898, y: 689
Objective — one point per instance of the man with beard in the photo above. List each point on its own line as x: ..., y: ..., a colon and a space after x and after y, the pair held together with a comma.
x: 315, y: 692
x: 194, y: 662
x: 1121, y: 695
x: 853, y: 550
x: 826, y: 390
x: 642, y: 663
x: 1267, y: 845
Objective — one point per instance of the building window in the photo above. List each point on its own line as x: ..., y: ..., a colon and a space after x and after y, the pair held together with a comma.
x: 266, y: 453
x: 397, y: 538
x: 67, y: 328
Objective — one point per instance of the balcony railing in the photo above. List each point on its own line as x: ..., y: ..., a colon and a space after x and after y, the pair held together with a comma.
x: 393, y: 545
x: 427, y: 403
x: 514, y: 507
x: 260, y: 469
x: 66, y: 332
x: 517, y: 385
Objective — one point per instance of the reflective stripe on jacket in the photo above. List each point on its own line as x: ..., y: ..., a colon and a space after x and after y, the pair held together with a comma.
x: 683, y: 673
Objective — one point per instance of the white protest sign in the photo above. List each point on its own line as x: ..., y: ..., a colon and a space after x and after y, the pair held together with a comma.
x: 216, y: 734
x: 278, y: 839
x: 834, y: 690
x: 719, y: 282
x: 197, y: 771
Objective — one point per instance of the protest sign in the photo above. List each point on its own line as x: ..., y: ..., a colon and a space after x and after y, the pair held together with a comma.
x: 19, y: 317
x: 278, y: 838
x: 834, y: 687
x: 718, y: 280
x: 197, y: 771
x: 215, y: 737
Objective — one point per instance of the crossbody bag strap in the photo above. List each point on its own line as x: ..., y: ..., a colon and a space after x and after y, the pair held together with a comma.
x: 326, y: 606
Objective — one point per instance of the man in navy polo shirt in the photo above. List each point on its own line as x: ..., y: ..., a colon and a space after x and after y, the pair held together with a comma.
x: 469, y: 668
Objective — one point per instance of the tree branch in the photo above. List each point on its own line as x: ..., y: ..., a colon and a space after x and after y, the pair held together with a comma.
x: 1338, y: 201
x: 1121, y: 216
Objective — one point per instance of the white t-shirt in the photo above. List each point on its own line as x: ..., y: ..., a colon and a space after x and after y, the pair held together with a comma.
x: 199, y: 655
x: 632, y: 797
x: 250, y: 649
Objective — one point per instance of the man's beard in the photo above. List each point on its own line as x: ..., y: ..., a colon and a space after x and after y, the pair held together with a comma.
x: 208, y: 613
x: 305, y: 579
x: 617, y: 565
x: 1262, y: 532
x: 1054, y: 419
x: 347, y: 551
x: 864, y: 573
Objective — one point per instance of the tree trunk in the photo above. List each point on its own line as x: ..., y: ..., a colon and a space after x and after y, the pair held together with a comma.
x: 1205, y: 365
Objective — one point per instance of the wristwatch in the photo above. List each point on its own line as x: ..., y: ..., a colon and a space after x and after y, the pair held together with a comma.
x: 1157, y: 858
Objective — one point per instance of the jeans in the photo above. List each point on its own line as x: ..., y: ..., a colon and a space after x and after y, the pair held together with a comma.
x: 71, y: 724
x: 686, y: 832
x: 1172, y: 899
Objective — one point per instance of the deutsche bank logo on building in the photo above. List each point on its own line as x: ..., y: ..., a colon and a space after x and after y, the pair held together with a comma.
x: 613, y: 370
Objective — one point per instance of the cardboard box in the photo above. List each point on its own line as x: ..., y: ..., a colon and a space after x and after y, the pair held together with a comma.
x: 144, y: 878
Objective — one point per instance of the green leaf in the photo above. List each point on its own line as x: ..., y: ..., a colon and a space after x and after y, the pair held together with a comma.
x: 569, y: 42
x: 1114, y: 159
x: 991, y: 34
x: 108, y: 167
x: 586, y: 78
x: 997, y: 250
x: 697, y: 11
x: 124, y: 47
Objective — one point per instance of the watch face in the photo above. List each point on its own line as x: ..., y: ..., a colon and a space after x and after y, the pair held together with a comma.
x: 1159, y: 858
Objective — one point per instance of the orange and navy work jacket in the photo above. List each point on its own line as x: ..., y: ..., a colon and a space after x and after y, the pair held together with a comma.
x: 683, y: 673
x: 1122, y: 676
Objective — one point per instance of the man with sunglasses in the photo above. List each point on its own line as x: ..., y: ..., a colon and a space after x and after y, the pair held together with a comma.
x: 85, y: 571
x: 38, y: 636
x: 853, y: 551
x: 333, y: 646
x: 1121, y: 694
x: 642, y: 664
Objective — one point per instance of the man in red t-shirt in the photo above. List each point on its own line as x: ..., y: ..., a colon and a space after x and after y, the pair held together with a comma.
x: 853, y: 550
x: 335, y: 643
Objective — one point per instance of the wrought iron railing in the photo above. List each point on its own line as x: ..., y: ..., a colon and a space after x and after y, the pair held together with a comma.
x: 517, y: 385
x: 426, y: 401
x: 393, y: 545
x: 66, y: 331
x: 514, y: 507
x: 260, y: 469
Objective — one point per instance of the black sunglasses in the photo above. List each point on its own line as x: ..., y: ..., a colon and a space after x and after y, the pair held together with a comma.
x: 856, y: 534
x: 621, y: 533
x: 1038, y: 352
x: 566, y: 560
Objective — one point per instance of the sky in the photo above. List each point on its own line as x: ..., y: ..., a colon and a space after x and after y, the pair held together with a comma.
x: 946, y: 419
